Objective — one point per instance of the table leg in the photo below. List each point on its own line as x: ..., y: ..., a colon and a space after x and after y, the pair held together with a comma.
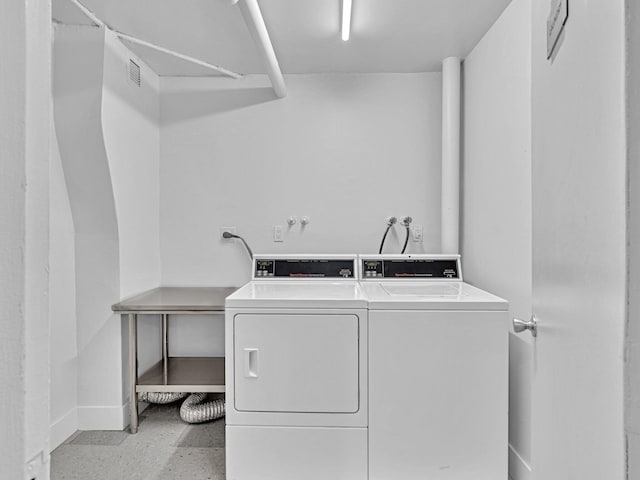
x: 133, y: 373
x: 165, y: 348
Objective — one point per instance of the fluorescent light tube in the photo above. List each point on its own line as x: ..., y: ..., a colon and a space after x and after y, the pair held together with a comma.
x: 346, y: 19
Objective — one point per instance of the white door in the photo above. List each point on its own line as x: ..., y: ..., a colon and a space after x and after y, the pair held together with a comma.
x: 578, y: 191
x: 296, y: 363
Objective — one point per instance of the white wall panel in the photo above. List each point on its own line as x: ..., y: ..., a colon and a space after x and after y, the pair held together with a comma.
x: 345, y: 150
x: 496, y: 213
x: 632, y: 374
x: 62, y: 307
x: 130, y: 122
x: 131, y: 129
x: 24, y: 239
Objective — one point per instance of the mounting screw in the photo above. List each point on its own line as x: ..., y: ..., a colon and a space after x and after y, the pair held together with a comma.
x: 305, y: 221
x: 292, y: 220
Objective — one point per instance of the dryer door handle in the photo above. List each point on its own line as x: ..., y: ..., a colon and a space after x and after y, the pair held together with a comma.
x: 251, y: 362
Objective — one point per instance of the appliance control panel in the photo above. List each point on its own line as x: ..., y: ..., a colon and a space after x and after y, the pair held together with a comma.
x: 412, y: 267
x: 304, y: 268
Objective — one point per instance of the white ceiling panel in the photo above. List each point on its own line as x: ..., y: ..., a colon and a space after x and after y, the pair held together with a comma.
x: 66, y: 12
x: 386, y: 35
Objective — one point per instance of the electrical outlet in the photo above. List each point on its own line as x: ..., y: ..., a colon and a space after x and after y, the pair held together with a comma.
x: 417, y: 233
x: 278, y: 233
x: 227, y: 229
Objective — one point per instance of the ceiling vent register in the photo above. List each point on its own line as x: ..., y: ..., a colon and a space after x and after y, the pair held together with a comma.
x: 134, y: 73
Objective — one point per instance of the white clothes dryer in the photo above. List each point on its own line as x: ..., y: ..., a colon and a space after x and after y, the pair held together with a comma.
x: 296, y: 371
x: 438, y: 371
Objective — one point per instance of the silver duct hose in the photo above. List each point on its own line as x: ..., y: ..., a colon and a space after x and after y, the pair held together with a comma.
x: 161, y: 398
x: 193, y: 410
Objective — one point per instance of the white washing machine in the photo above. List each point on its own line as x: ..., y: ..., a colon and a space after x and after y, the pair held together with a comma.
x: 296, y: 371
x: 438, y: 371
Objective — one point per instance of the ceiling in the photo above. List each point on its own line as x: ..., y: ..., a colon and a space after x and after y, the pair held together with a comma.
x: 386, y: 35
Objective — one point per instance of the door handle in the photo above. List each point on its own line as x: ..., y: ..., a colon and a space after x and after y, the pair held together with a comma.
x: 520, y: 326
x: 251, y: 362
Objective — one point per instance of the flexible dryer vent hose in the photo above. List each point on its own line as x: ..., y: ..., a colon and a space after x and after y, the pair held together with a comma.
x: 161, y: 398
x: 193, y: 410
x: 196, y: 410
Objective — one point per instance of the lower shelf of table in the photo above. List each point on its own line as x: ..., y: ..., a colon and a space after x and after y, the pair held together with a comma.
x: 185, y: 374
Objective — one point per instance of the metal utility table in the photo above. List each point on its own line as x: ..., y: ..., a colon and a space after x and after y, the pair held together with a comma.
x: 172, y: 374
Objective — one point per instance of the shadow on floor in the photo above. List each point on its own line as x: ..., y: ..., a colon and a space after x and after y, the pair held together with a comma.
x: 165, y: 447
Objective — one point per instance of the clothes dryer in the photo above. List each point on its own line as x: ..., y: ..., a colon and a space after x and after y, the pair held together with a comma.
x: 296, y: 371
x: 438, y: 371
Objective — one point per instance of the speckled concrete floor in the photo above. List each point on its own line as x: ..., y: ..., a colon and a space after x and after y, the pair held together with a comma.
x: 164, y: 448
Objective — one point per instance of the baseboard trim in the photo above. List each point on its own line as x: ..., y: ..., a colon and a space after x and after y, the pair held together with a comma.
x: 103, y: 418
x: 63, y: 428
x: 519, y: 469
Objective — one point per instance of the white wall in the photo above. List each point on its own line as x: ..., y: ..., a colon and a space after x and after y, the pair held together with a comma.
x: 130, y: 123
x: 78, y: 76
x: 62, y: 307
x: 632, y: 377
x: 24, y: 240
x: 108, y: 131
x: 345, y: 150
x: 36, y: 307
x: 579, y: 184
x: 496, y: 205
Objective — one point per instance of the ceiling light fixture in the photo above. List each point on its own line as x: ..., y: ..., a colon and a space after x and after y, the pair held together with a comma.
x: 346, y: 19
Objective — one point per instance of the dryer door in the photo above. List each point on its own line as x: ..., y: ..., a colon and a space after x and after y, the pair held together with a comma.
x: 296, y: 363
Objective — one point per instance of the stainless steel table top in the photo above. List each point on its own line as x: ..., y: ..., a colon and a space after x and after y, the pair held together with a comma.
x: 176, y: 299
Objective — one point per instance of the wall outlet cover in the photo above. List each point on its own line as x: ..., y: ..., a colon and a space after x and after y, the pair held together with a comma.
x: 417, y: 233
x: 278, y: 233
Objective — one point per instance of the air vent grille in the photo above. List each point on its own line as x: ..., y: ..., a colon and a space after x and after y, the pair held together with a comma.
x: 134, y: 73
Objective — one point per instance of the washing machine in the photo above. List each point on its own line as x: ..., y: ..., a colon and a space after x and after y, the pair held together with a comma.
x: 438, y: 371
x: 296, y: 371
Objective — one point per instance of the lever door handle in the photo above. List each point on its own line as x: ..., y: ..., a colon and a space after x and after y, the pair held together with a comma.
x: 520, y: 326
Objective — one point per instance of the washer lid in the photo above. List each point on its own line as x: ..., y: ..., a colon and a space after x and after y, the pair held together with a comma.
x: 425, y: 295
x: 440, y: 290
x: 298, y: 294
